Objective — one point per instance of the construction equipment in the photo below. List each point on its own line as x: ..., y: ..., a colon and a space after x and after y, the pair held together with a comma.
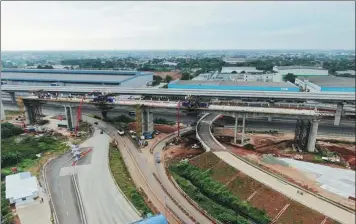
x: 79, y: 111
x: 193, y: 102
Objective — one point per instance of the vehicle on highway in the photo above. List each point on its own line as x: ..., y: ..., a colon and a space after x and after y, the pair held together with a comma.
x: 157, y: 157
x: 132, y: 113
x: 120, y: 132
x: 155, y: 132
x: 132, y: 132
x: 101, y: 132
x: 96, y: 122
x: 133, y: 136
x: 195, y: 146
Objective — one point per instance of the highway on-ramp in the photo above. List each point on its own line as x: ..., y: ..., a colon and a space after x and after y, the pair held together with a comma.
x: 103, y: 202
x: 58, y: 174
x: 141, y: 171
x: 335, y: 212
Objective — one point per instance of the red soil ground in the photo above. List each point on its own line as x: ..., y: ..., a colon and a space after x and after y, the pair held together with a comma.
x: 174, y: 75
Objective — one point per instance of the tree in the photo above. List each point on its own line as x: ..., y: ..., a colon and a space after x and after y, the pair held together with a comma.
x: 233, y: 72
x: 289, y: 77
x: 185, y: 76
x: 168, y: 79
x: 156, y: 80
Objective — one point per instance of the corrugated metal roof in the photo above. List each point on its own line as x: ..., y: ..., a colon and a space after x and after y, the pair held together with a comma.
x: 20, y: 185
x: 157, y: 219
x: 62, y: 77
x: 332, y: 81
x: 230, y: 83
x: 239, y: 69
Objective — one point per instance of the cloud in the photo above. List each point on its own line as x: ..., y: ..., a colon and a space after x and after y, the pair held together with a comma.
x: 177, y: 25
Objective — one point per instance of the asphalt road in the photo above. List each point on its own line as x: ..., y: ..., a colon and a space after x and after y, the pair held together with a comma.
x: 153, y: 189
x: 306, y: 199
x: 58, y: 173
x: 103, y: 202
x: 204, y: 133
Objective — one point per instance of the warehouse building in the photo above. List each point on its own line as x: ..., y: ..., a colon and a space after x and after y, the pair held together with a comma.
x: 52, y: 77
x: 301, y: 70
x: 347, y: 72
x: 21, y: 188
x: 251, y: 70
x: 240, y: 74
x: 228, y: 85
x: 326, y: 84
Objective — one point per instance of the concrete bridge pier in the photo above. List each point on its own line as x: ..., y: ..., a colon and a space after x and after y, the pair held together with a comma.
x: 242, y: 130
x: 147, y: 120
x: 312, y: 135
x: 13, y: 97
x: 339, y: 112
x: 270, y: 104
x: 69, y: 117
x: 2, y: 112
x: 33, y: 112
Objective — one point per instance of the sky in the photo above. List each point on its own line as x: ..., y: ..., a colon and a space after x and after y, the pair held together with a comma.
x: 174, y: 25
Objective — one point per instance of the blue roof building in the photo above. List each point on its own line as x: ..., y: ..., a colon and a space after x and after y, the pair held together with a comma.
x: 157, y: 219
x: 230, y: 85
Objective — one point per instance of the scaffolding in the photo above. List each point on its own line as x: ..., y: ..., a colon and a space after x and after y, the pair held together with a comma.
x: 301, y: 137
x: 139, y: 119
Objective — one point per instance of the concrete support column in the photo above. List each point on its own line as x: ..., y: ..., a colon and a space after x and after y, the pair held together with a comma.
x: 147, y: 120
x: 2, y: 112
x: 69, y: 117
x: 339, y: 110
x: 13, y: 98
x: 243, y: 129
x: 270, y: 104
x: 29, y: 113
x: 312, y: 135
x: 236, y: 125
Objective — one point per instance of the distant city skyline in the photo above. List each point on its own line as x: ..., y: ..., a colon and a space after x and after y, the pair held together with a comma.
x: 51, y: 26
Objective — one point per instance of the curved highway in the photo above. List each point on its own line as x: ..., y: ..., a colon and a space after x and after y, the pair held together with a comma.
x: 59, y: 180
x: 140, y: 168
x: 307, y: 199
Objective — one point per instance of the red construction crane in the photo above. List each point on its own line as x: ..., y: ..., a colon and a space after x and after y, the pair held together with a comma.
x: 79, y: 112
x: 178, y: 108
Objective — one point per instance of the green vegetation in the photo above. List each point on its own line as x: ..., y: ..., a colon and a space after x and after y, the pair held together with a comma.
x: 16, y: 150
x: 249, y: 146
x: 162, y: 121
x: 8, y: 130
x: 6, y: 214
x: 121, y: 118
x: 13, y: 112
x: 185, y: 76
x: 123, y: 179
x: 156, y: 80
x: 168, y: 79
x: 289, y: 77
x: 215, y: 197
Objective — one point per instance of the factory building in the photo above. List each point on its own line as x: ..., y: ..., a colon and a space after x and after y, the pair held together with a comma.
x: 350, y: 72
x: 241, y: 74
x: 301, y: 70
x: 326, y: 84
x: 228, y: 85
x: 52, y: 77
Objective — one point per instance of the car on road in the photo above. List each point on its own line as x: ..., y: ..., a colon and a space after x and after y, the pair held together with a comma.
x: 120, y: 132
x: 157, y: 157
x: 96, y: 122
x: 155, y: 132
x: 195, y: 146
x: 101, y: 132
x: 132, y: 132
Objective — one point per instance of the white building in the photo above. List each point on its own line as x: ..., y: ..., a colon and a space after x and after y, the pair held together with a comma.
x: 301, y: 70
x: 247, y: 77
x: 351, y: 72
x: 229, y: 70
x: 235, y: 60
x: 21, y: 188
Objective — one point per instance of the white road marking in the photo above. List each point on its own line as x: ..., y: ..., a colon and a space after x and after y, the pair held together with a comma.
x: 67, y: 213
x: 64, y: 201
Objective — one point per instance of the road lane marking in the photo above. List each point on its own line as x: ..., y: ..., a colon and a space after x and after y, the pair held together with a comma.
x: 64, y: 201
x: 67, y: 213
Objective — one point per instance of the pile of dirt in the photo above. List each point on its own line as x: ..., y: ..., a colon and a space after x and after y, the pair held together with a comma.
x: 158, y: 127
x: 174, y: 75
x: 346, y: 151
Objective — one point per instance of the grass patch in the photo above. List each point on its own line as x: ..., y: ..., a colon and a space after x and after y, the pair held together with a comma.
x: 12, y: 112
x: 222, y: 200
x: 123, y: 179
